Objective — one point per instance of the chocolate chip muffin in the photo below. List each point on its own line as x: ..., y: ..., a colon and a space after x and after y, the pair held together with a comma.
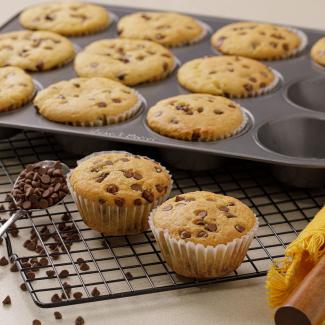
x: 169, y: 29
x: 229, y: 76
x: 258, y: 40
x: 196, y: 117
x: 203, y: 235
x: 317, y: 52
x: 115, y: 191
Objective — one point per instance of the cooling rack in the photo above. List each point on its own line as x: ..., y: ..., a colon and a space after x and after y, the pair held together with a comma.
x: 116, y: 267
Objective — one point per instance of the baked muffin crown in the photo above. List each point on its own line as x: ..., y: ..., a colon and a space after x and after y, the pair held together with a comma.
x: 255, y: 40
x: 204, y: 218
x: 121, y: 179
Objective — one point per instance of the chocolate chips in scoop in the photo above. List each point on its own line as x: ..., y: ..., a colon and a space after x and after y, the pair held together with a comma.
x: 40, y: 186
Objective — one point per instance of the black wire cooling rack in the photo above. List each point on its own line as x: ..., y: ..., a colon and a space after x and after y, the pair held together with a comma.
x: 132, y: 265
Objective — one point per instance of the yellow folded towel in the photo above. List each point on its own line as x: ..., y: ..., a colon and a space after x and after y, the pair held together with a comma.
x: 300, y: 257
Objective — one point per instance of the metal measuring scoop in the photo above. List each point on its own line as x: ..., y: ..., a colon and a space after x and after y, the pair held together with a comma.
x: 41, y: 186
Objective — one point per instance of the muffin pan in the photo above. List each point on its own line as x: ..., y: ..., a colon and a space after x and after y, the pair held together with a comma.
x: 285, y: 127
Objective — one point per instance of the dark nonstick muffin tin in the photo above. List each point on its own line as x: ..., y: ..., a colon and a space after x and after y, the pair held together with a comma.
x: 285, y: 128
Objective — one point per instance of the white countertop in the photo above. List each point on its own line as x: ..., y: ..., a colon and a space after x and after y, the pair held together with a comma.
x: 239, y: 302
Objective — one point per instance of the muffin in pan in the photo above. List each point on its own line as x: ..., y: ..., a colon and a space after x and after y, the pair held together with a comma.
x: 229, y: 76
x: 16, y: 88
x: 69, y: 18
x: 196, y: 117
x: 259, y: 41
x: 203, y: 235
x: 35, y: 51
x: 170, y: 29
x: 88, y: 102
x: 115, y: 191
x: 317, y: 52
x: 129, y: 61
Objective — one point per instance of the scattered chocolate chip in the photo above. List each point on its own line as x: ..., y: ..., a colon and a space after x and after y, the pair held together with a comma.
x: 119, y: 202
x: 7, y: 301
x: 201, y: 213
x: 136, y: 187
x: 202, y: 234
x: 55, y: 298
x: 129, y: 276
x: 167, y: 207
x: 64, y: 274
x: 223, y: 208
x: 239, y: 228
x: 79, y: 321
x: 121, y: 76
x: 116, y: 100
x: 77, y: 295
x: 80, y: 260
x: 14, y: 268
x: 285, y: 46
x: 84, y: 267
x: 179, y: 198
x: 101, y: 104
x: 185, y: 234
x: 37, y: 322
x: 230, y: 215
x: 23, y: 287
x: 43, y: 261
x: 137, y: 176
x: 160, y: 188
x: 57, y: 315
x: 198, y: 221
x: 30, y: 275
x: 95, y: 292
x: 211, y: 227
x: 112, y: 188
x: 128, y: 173
x: 40, y: 66
x: 252, y: 79
x: 248, y: 87
x: 3, y: 261
x: 137, y: 202
x: 147, y: 195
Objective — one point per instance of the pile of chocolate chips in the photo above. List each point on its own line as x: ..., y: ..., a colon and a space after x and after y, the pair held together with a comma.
x: 40, y: 186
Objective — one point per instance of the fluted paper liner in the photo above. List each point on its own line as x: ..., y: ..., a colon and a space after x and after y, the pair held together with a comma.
x: 113, y: 220
x: 198, y: 261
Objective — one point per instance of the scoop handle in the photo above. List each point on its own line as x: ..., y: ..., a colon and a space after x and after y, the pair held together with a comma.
x: 16, y: 216
x: 306, y: 305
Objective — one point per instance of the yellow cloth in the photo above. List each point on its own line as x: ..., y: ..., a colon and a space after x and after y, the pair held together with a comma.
x: 300, y: 257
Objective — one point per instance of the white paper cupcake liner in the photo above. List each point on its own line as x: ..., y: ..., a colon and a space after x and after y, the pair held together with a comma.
x: 198, y: 261
x: 107, y: 120
x: 113, y: 220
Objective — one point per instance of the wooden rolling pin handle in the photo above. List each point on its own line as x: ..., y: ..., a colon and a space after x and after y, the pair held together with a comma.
x: 306, y: 305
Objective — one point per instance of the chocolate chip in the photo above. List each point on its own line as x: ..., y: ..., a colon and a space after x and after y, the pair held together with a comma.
x: 3, y: 261
x: 101, y: 104
x: 23, y: 287
x: 137, y: 176
x: 223, y: 208
x: 211, y: 227
x: 202, y: 234
x: 198, y: 221
x: 44, y: 204
x: 128, y: 173
x: 64, y: 274
x: 252, y: 79
x: 185, y: 234
x: 262, y: 85
x: 121, y: 76
x: 80, y: 260
x: 27, y: 205
x: 40, y: 66
x: 43, y: 261
x: 285, y: 46
x: 129, y: 276
x: 79, y: 321
x: 137, y: 202
x: 196, y: 134
x: 55, y: 298
x: 112, y: 188
x: 119, y: 202
x: 167, y: 207
x: 57, y: 315
x: 37, y: 322
x: 230, y: 215
x: 116, y: 100
x: 14, y: 268
x: 179, y: 198
x: 101, y: 177
x: 6, y: 301
x: 84, y: 267
x: 147, y: 195
x: 239, y: 228
x: 160, y: 188
x: 77, y: 295
x: 248, y: 87
x: 95, y: 292
x: 30, y: 275
x: 201, y: 213
x: 136, y: 187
